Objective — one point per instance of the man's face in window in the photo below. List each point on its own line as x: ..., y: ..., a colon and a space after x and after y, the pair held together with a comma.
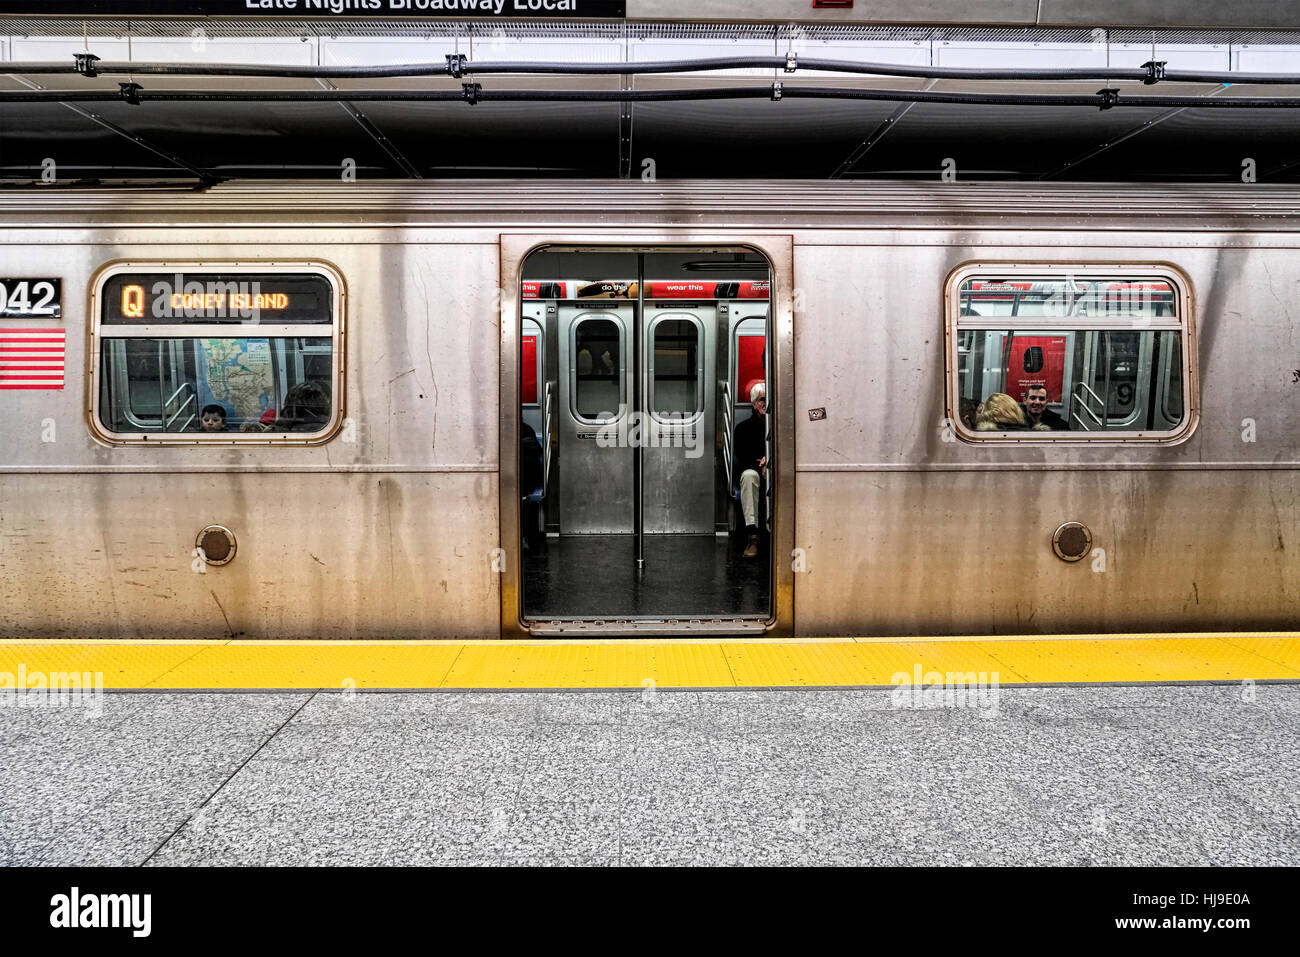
x: 1036, y: 401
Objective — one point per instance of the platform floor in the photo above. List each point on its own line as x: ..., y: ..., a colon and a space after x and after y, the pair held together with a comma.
x: 596, y: 576
x: 1178, y: 775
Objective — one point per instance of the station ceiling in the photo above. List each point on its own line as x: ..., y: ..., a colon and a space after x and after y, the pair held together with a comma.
x: 716, y: 139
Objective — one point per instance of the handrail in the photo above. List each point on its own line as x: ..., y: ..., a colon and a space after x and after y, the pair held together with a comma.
x: 1076, y: 396
x: 725, y: 388
x: 546, y: 443
x: 192, y: 398
x: 1087, y: 388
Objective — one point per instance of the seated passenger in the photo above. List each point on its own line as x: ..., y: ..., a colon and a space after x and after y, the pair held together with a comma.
x: 213, y: 419
x: 1000, y: 413
x: 1037, y: 413
x: 751, y: 460
x: 966, y: 412
x: 531, y: 476
x: 306, y: 408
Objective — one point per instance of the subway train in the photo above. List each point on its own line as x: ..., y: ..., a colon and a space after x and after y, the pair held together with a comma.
x: 509, y: 409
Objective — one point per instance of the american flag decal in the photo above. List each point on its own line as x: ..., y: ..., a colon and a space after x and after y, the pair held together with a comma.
x: 31, y: 358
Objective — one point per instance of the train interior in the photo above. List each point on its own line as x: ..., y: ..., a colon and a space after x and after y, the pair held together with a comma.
x: 1105, y: 349
x: 636, y: 370
x: 255, y: 349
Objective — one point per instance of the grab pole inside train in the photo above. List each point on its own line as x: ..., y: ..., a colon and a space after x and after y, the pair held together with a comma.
x: 637, y: 458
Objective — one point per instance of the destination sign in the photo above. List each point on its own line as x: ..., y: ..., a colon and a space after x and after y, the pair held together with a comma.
x: 154, y: 299
x: 435, y: 9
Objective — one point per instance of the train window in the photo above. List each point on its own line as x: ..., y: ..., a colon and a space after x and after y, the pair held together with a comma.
x: 749, y: 364
x: 201, y: 355
x: 598, y: 392
x: 1040, y: 353
x: 677, y: 382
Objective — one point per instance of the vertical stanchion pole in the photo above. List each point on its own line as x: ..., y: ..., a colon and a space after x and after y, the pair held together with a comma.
x: 638, y: 326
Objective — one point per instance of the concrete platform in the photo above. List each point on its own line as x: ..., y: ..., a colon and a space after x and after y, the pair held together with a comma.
x: 1152, y: 774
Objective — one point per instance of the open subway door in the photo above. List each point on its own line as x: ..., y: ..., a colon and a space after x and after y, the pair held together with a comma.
x: 639, y: 367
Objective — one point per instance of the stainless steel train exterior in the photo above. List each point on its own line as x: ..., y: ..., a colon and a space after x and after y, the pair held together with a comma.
x: 399, y: 519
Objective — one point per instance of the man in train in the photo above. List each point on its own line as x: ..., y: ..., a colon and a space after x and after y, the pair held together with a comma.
x: 751, y: 461
x: 1037, y: 412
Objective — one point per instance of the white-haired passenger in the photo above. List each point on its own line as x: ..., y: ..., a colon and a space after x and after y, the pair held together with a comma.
x: 751, y: 462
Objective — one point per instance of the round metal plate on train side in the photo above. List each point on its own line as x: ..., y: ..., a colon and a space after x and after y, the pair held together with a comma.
x: 218, y: 544
x: 1072, y: 541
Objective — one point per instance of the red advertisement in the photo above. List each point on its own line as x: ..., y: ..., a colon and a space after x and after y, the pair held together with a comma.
x: 707, y: 289
x: 749, y: 365
x: 1035, y: 360
x: 657, y: 289
x: 528, y: 381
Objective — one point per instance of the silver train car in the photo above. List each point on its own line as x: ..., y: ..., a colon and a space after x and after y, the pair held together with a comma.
x: 501, y: 409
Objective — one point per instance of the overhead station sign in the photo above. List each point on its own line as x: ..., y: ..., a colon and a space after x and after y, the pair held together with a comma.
x: 434, y: 9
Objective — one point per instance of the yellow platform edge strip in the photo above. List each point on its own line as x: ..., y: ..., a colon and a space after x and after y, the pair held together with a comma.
x: 639, y: 663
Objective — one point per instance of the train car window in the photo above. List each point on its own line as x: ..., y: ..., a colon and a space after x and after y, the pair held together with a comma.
x: 199, y: 355
x: 1074, y: 356
x: 677, y: 384
x: 597, y: 346
x: 749, y: 364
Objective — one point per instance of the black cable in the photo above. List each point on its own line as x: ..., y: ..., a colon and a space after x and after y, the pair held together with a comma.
x: 1104, y: 99
x: 459, y: 66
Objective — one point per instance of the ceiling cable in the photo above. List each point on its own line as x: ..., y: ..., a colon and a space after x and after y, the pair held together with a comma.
x: 458, y: 65
x: 474, y: 93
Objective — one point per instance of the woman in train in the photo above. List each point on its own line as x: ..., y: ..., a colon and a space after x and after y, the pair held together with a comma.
x: 1000, y: 413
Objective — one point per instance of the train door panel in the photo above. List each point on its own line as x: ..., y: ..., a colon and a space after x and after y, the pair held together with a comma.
x: 597, y: 491
x: 678, y: 394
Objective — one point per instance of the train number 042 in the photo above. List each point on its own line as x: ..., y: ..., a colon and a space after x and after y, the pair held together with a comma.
x: 29, y: 297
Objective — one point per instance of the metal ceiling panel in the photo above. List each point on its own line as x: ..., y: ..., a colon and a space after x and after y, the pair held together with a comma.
x: 503, y: 139
x: 79, y: 147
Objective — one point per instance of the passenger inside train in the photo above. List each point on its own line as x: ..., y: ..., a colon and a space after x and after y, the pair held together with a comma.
x: 306, y: 408
x: 531, y: 485
x: 751, y: 461
x: 1037, y: 413
x: 213, y: 419
x: 1000, y: 413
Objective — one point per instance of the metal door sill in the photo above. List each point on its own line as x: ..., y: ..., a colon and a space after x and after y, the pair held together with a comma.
x: 648, y: 627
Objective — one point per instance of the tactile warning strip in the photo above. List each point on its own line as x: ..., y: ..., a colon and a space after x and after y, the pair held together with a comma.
x: 663, y: 663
